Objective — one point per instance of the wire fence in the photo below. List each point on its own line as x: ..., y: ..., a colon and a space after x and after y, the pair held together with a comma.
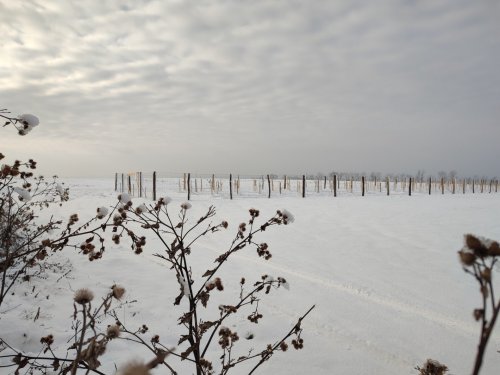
x: 153, y: 185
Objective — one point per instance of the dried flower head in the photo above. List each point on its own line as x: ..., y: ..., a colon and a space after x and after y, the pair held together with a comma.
x: 118, y: 291
x: 102, y: 212
x: 165, y: 200
x: 186, y: 206
x: 135, y: 368
x: 287, y: 217
x: 466, y: 257
x: 124, y: 198
x: 28, y: 122
x: 49, y: 340
x: 141, y: 209
x: 432, y: 367
x: 113, y: 331
x: 83, y: 296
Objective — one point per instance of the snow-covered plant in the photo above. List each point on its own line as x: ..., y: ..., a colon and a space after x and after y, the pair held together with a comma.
x: 23, y: 240
x: 23, y: 123
x: 203, y: 330
x: 89, y: 341
x: 26, y: 241
x: 478, y: 258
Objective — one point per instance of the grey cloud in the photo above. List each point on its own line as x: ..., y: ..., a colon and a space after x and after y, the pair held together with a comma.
x: 353, y: 85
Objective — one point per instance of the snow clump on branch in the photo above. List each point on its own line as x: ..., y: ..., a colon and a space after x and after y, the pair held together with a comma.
x: 28, y: 122
x: 24, y: 194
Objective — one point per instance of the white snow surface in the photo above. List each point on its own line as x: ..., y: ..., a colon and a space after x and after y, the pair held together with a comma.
x: 382, y: 271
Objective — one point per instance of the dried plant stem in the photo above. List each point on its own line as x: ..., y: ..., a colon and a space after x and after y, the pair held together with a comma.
x: 295, y: 328
x: 487, y: 328
x: 80, y: 344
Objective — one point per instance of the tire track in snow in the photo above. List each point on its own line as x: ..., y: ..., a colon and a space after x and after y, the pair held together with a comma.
x: 372, y: 297
x: 348, y: 340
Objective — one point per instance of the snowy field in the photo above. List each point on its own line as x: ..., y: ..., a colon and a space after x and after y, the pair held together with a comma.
x: 382, y: 271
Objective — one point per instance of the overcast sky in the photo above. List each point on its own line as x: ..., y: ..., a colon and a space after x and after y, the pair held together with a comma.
x: 253, y: 86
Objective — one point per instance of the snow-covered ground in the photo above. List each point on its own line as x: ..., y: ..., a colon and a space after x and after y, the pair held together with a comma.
x: 382, y: 271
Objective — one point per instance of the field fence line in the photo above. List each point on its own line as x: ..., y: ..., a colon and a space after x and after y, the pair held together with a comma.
x: 153, y: 185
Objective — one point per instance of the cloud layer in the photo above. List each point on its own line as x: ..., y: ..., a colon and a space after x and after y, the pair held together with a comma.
x: 254, y: 86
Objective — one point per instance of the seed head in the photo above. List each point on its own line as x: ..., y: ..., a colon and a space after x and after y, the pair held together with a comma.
x: 83, y: 296
x: 113, y: 331
x: 118, y: 291
x: 135, y: 368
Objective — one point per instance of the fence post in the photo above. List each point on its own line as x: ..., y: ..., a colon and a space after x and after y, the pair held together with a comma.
x: 154, y: 186
x: 430, y: 185
x: 188, y: 184
x: 442, y: 185
x: 409, y: 187
x: 140, y: 184
x: 334, y: 185
x: 129, y: 185
x: 123, y: 183
x: 303, y: 186
x: 269, y: 186
x: 362, y: 186
x: 116, y: 181
x: 230, y: 186
x: 387, y: 182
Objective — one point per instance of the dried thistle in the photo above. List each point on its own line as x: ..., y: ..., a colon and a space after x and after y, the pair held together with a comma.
x: 432, y: 367
x: 83, y: 296
x: 118, y: 291
x: 135, y: 368
x: 113, y: 331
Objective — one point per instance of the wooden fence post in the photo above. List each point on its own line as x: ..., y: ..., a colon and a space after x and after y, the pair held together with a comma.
x: 154, y: 186
x: 334, y: 185
x: 303, y: 186
x: 409, y: 187
x: 362, y: 186
x: 387, y: 182
x: 442, y: 185
x: 123, y: 183
x: 116, y: 181
x: 140, y: 184
x: 230, y: 186
x: 430, y: 185
x: 188, y: 184
x: 269, y: 186
x: 473, y: 188
x: 129, y: 185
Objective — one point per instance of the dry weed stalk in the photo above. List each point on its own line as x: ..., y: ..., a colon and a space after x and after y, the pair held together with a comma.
x: 478, y: 257
x: 201, y: 334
